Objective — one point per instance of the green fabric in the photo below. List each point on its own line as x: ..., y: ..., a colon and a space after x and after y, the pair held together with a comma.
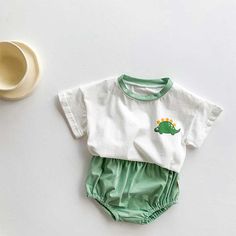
x: 132, y: 191
x: 165, y: 83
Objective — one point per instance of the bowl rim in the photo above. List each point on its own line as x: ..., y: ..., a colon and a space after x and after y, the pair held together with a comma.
x: 21, y: 80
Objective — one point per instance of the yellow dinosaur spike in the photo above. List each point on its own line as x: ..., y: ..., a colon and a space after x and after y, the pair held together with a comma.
x: 171, y: 120
x: 167, y: 119
x: 174, y: 124
x: 158, y: 122
x: 162, y: 119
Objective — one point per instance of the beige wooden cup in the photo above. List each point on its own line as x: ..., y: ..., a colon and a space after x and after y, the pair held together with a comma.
x: 13, y: 66
x: 20, y: 73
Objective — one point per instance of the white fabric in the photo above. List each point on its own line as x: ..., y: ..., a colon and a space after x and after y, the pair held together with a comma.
x: 121, y: 127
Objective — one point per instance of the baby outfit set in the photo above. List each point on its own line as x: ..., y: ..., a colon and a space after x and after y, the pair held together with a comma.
x: 137, y: 132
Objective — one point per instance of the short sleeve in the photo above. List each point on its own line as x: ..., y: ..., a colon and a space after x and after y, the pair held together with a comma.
x: 73, y: 106
x: 204, y: 115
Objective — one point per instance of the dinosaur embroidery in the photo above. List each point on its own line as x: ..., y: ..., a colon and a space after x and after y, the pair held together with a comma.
x: 166, y: 126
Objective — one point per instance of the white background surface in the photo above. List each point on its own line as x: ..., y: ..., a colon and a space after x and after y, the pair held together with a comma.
x: 43, y: 169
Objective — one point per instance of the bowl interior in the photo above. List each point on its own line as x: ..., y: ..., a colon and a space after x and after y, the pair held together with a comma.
x: 13, y: 65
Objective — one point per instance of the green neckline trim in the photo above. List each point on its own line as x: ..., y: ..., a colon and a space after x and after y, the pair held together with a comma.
x: 165, y: 83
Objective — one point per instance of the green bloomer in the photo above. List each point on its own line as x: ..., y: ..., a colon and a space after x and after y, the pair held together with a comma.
x: 132, y: 191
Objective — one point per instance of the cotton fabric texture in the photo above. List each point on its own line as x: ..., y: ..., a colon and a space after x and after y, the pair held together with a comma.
x: 119, y: 125
x: 131, y: 191
x: 137, y: 134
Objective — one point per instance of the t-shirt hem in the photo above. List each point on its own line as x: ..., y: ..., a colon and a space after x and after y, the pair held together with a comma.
x: 123, y: 158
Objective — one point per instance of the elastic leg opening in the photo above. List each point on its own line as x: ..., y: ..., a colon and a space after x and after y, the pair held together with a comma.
x: 156, y: 213
x: 105, y: 206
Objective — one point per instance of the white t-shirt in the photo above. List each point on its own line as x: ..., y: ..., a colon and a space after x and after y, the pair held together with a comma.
x: 138, y: 120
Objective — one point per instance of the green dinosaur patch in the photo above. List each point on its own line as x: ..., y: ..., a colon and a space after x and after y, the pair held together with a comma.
x: 166, y: 126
